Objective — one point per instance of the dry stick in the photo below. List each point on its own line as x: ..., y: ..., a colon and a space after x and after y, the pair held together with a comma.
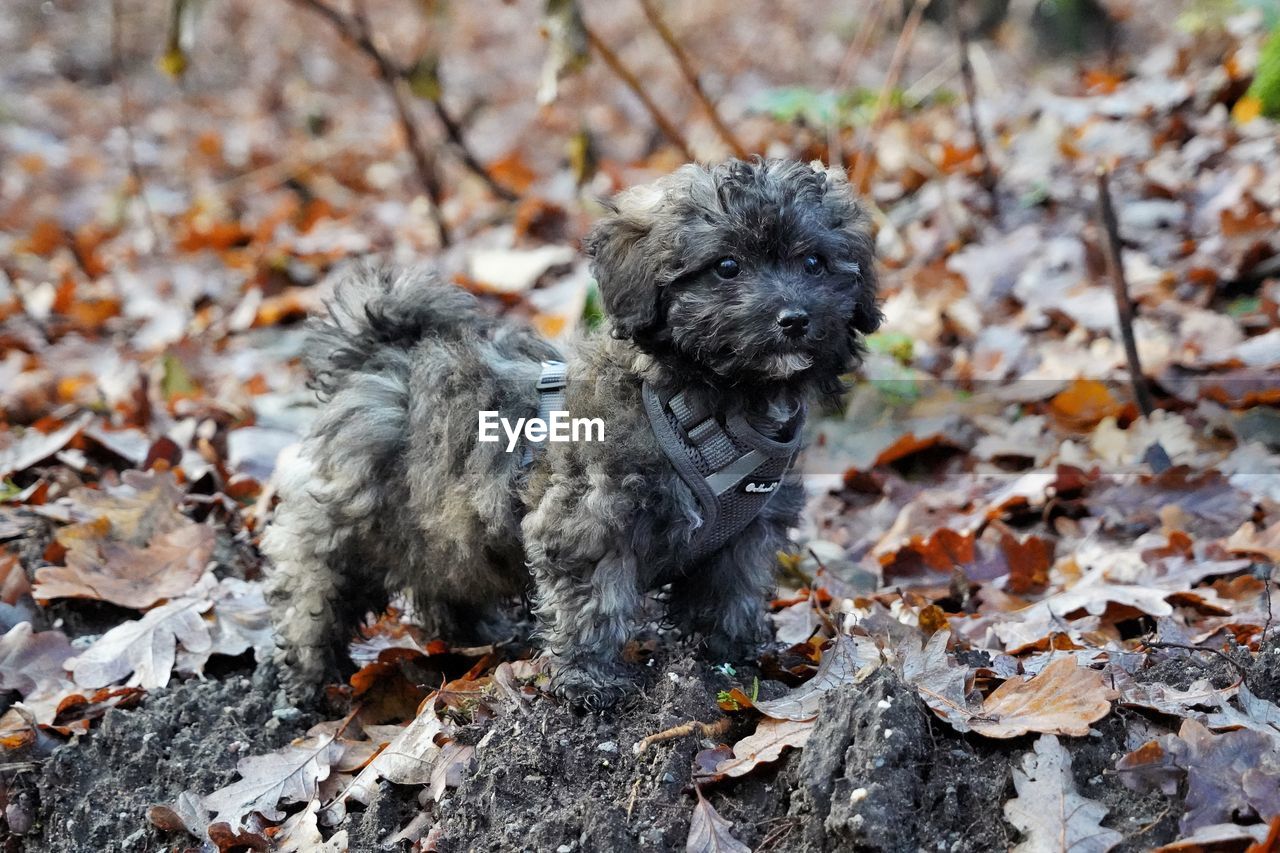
x: 1115, y: 266
x: 126, y: 120
x: 857, y: 48
x: 971, y: 95
x: 424, y: 162
x: 357, y: 34
x: 691, y: 76
x: 355, y: 31
x: 701, y: 729
x: 896, y: 66
x: 625, y: 74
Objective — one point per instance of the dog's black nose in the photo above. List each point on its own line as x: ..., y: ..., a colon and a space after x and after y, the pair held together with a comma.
x: 793, y: 321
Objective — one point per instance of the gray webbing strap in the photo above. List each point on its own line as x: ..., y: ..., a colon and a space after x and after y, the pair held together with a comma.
x: 696, y: 442
x: 551, y: 398
x: 727, y: 477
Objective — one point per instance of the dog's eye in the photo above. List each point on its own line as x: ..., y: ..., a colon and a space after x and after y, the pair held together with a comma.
x: 813, y: 264
x: 727, y: 268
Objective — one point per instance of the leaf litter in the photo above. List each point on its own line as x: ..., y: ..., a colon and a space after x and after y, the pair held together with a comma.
x: 1014, y: 547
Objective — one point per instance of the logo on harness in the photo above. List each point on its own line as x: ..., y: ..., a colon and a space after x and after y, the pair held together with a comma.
x: 760, y: 487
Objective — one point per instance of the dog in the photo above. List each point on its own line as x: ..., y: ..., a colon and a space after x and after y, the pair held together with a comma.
x: 735, y: 296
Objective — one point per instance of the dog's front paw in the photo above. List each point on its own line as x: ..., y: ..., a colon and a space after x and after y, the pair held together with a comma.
x: 593, y: 687
x: 719, y: 646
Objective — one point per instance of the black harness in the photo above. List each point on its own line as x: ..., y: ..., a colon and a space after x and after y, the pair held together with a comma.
x: 731, y: 467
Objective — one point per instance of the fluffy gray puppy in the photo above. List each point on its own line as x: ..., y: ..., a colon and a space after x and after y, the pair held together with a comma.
x: 744, y: 286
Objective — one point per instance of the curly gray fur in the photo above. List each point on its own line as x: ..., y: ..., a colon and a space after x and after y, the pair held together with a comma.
x: 391, y: 490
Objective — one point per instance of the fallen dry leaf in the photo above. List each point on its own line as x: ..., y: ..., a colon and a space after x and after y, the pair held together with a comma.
x: 1236, y: 772
x: 32, y: 664
x: 288, y: 776
x: 13, y: 580
x: 300, y: 833
x: 126, y: 574
x: 1062, y: 700
x: 765, y: 745
x: 18, y: 453
x: 709, y: 833
x: 146, y: 649
x: 1221, y: 836
x: 847, y: 659
x: 942, y: 685
x: 1250, y: 540
x: 408, y: 759
x: 143, y: 505
x: 1049, y: 811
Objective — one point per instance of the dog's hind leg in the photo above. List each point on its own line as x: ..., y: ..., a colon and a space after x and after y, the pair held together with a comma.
x: 586, y: 623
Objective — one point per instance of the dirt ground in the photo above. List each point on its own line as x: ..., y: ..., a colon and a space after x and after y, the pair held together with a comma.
x: 879, y: 773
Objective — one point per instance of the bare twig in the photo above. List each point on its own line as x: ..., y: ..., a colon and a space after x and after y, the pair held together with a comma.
x: 1239, y: 667
x: 1115, y: 266
x: 424, y: 161
x: 896, y: 66
x: 629, y: 79
x: 692, y: 727
x: 356, y: 32
x: 857, y: 49
x: 691, y: 76
x: 971, y: 96
x: 453, y: 130
x: 120, y: 74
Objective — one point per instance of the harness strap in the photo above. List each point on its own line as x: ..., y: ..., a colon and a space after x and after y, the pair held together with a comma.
x: 551, y: 398
x: 714, y: 457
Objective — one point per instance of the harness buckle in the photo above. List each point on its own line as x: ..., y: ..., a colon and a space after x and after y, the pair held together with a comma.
x: 553, y: 376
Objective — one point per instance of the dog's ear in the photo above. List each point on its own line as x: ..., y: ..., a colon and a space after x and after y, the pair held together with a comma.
x: 625, y: 266
x: 636, y: 250
x: 856, y: 257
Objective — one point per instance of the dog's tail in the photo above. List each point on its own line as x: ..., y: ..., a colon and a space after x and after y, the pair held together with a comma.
x: 377, y: 314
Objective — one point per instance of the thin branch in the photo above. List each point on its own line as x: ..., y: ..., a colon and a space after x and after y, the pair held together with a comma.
x: 971, y: 96
x: 691, y: 76
x: 453, y: 130
x: 424, y: 162
x: 355, y: 31
x: 1124, y: 306
x: 857, y: 49
x: 358, y: 35
x: 629, y: 78
x: 1239, y: 667
x: 119, y: 74
x: 896, y: 66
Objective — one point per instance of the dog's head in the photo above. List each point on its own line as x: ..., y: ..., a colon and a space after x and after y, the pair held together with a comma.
x: 747, y: 270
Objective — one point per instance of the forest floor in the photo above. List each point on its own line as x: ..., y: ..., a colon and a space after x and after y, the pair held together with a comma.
x: 1021, y: 611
